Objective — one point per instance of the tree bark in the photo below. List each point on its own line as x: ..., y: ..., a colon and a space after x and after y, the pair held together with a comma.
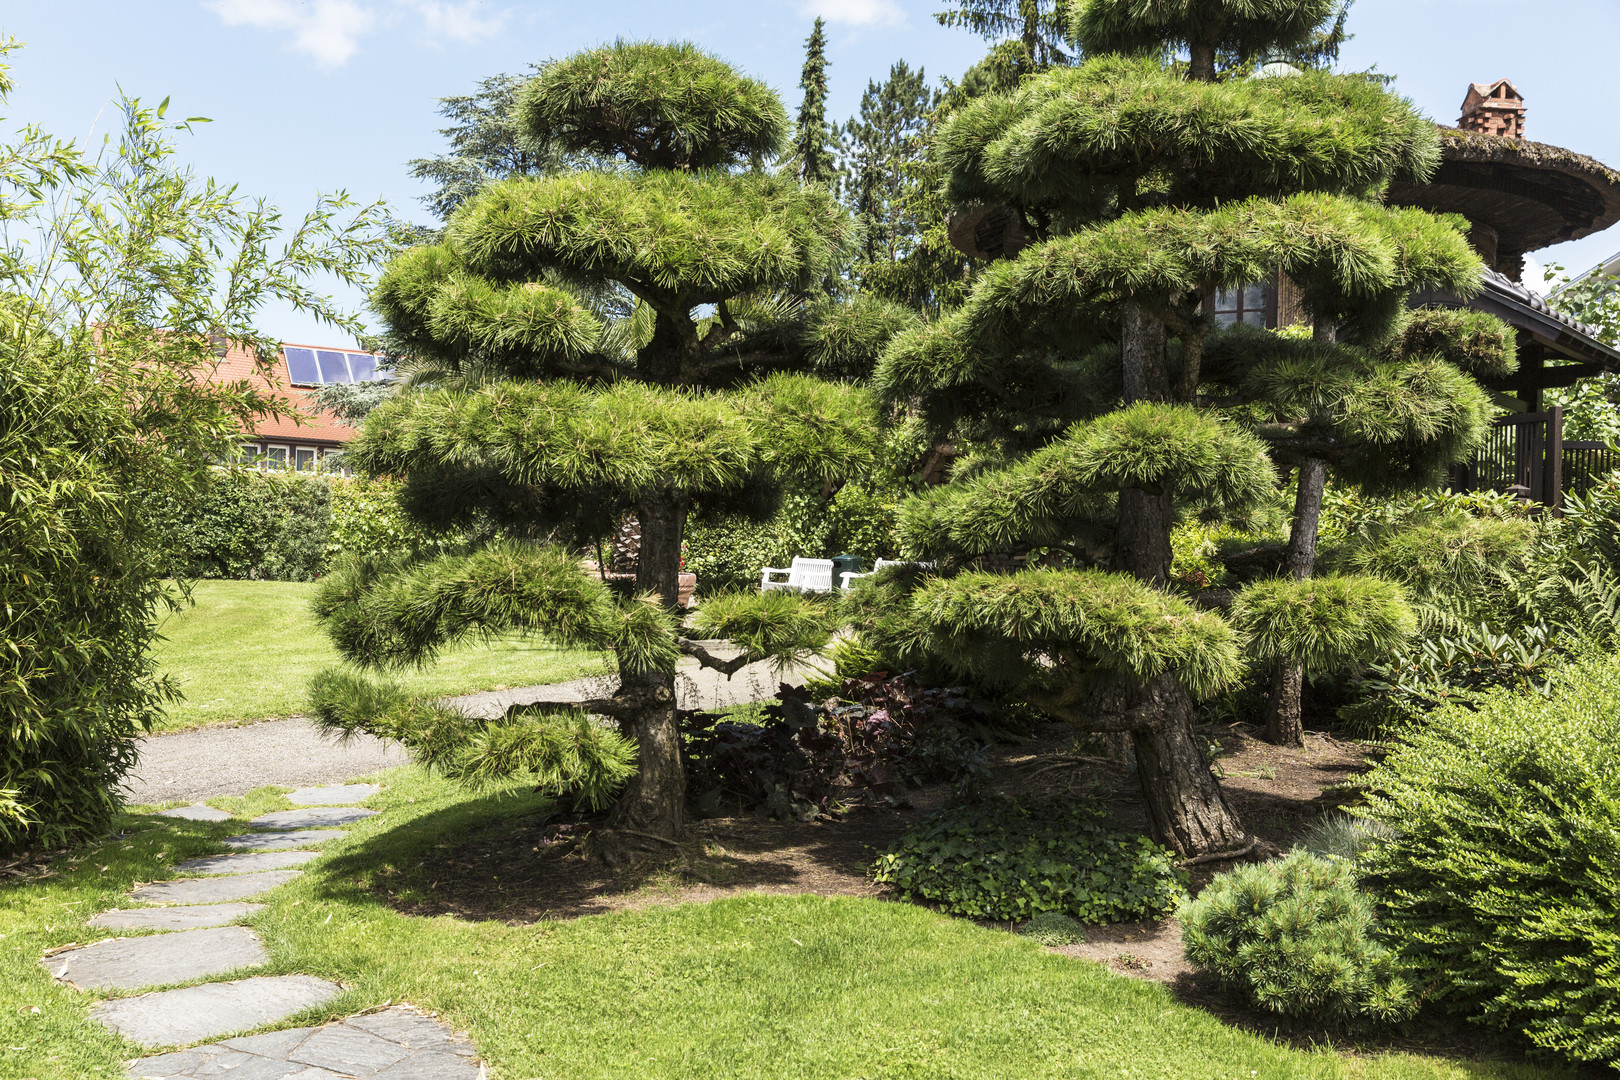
x: 654, y: 801
x: 1284, y: 724
x: 1186, y: 805
x: 1202, y: 66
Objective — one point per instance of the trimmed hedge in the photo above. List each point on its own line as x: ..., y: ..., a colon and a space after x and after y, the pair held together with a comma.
x: 285, y: 526
x: 1500, y: 881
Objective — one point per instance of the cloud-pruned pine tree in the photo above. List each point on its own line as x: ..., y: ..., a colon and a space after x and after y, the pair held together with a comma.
x: 546, y: 422
x: 1145, y: 186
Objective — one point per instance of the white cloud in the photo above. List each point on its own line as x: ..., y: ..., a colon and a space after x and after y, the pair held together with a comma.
x: 327, y: 30
x: 458, y: 22
x: 856, y: 12
x: 330, y: 31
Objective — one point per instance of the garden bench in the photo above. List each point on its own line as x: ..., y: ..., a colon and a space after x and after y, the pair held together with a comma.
x: 805, y: 575
x: 849, y: 579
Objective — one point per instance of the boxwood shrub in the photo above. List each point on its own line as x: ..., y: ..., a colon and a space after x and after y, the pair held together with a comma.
x: 995, y: 858
x: 1500, y: 879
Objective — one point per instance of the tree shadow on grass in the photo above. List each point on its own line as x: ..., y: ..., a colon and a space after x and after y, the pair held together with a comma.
x: 489, y: 859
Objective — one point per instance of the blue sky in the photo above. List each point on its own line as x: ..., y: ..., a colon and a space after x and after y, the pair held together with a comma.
x: 328, y: 94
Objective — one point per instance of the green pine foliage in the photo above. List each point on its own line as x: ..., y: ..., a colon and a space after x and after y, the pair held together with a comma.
x: 1235, y: 31
x: 1324, y: 623
x: 658, y: 106
x: 1047, y: 631
x: 998, y: 859
x: 1033, y: 31
x: 1498, y: 881
x: 1296, y: 937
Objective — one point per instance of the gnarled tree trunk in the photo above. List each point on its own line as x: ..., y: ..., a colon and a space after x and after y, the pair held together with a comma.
x: 1185, y: 802
x: 654, y: 801
x: 1284, y: 723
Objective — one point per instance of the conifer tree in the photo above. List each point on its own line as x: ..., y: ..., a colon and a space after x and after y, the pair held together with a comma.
x: 1145, y: 185
x: 1030, y: 34
x: 811, y: 135
x: 879, y: 148
x: 547, y: 423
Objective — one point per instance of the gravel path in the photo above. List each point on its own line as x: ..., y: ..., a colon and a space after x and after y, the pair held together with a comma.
x: 209, y: 762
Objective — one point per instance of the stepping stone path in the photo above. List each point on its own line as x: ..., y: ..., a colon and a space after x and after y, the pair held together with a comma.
x: 397, y: 1043
x: 280, y: 841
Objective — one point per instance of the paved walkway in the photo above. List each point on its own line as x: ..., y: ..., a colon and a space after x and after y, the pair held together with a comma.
x: 209, y: 762
x: 197, y: 939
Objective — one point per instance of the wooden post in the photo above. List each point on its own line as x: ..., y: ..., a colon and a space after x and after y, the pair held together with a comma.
x: 1554, y: 463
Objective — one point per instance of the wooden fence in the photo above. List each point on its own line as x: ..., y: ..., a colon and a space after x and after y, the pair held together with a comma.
x: 1526, y: 454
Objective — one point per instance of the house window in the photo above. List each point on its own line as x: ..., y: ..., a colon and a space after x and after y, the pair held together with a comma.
x: 305, y: 459
x: 245, y: 453
x: 1249, y: 304
x: 275, y: 457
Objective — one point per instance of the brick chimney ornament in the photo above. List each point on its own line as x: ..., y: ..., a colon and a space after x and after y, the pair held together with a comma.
x: 1493, y: 109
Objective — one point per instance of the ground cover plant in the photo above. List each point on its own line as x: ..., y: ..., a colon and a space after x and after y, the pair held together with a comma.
x: 753, y: 987
x: 994, y: 858
x: 205, y: 648
x: 1497, y: 879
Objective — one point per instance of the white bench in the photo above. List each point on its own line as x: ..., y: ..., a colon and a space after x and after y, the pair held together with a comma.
x: 849, y: 579
x: 805, y: 575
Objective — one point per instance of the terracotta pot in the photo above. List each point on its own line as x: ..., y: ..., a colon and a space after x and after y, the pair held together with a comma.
x: 686, y: 585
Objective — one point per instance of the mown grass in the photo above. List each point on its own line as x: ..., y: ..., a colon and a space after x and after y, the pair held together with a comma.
x: 247, y: 650
x: 747, y: 987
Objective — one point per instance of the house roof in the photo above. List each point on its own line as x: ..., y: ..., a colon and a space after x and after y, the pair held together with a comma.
x: 316, y: 426
x: 1552, y: 334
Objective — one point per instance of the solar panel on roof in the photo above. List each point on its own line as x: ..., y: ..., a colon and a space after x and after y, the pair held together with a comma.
x: 363, y: 366
x: 301, y: 366
x: 334, y: 368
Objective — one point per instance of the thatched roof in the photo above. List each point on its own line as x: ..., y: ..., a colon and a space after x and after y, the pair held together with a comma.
x: 1528, y: 195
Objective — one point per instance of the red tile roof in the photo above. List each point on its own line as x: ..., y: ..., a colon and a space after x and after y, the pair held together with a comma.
x: 317, y: 426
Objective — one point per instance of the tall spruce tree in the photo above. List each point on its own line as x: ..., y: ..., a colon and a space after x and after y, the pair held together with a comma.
x: 547, y: 425
x: 1031, y: 35
x: 811, y: 136
x: 1146, y: 185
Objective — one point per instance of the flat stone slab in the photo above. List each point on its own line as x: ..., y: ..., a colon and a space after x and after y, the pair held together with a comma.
x: 174, y: 918
x: 212, y: 1009
x: 398, y: 1043
x: 196, y: 813
x: 280, y: 841
x: 333, y: 794
x: 246, y: 864
x: 214, y: 890
x: 312, y: 817
x: 130, y: 963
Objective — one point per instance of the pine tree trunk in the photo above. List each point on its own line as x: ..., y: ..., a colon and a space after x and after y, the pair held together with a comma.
x: 1284, y: 725
x: 654, y: 801
x: 1186, y: 805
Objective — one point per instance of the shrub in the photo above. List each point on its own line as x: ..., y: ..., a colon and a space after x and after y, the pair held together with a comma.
x: 249, y: 524
x: 366, y: 520
x: 1052, y: 929
x: 1339, y: 835
x: 994, y: 858
x: 1501, y: 884
x: 1297, y: 938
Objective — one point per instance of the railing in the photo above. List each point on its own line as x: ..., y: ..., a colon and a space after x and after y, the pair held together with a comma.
x: 1527, y: 456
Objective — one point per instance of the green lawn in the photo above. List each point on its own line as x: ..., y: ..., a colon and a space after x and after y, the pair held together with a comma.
x: 741, y: 988
x: 247, y: 649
